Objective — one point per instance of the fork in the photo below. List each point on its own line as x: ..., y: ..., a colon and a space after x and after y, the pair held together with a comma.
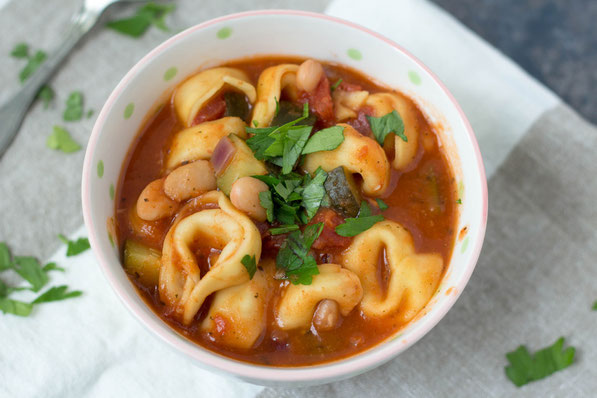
x: 14, y: 110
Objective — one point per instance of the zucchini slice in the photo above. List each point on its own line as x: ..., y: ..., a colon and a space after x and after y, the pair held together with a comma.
x: 287, y: 112
x: 344, y: 195
x: 236, y: 105
x: 142, y: 262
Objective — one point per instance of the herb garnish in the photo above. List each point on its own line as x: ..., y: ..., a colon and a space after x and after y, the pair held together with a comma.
x: 21, y: 51
x: 31, y: 271
x: 389, y: 123
x: 61, y: 140
x: 33, y: 63
x: 294, y: 258
x: 250, y: 264
x: 364, y: 221
x: 382, y: 205
x: 283, y: 229
x: 335, y: 85
x: 147, y: 15
x: 595, y: 306
x: 525, y: 368
x: 74, y: 247
x: 325, y: 140
x: 46, y: 95
x: 459, y: 201
x: 74, y: 107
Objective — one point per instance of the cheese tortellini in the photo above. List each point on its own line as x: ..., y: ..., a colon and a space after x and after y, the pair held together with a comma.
x: 359, y: 155
x: 272, y: 82
x: 413, y: 277
x: 298, y: 302
x: 198, y: 142
x: 181, y: 285
x: 195, y: 92
x: 347, y: 103
x: 404, y: 151
x: 237, y: 315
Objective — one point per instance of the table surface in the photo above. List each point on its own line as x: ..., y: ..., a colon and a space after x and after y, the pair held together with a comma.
x: 553, y: 40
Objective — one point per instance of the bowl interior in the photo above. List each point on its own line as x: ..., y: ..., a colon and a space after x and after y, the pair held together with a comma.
x: 283, y: 33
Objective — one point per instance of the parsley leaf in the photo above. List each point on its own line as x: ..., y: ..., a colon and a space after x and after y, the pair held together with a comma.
x: 30, y: 270
x: 364, y: 221
x: 294, y: 258
x: 46, y: 95
x: 61, y: 140
x: 74, y: 247
x: 293, y: 146
x: 459, y: 201
x: 89, y: 113
x: 525, y: 368
x: 52, y: 267
x: 5, y: 262
x: 314, y: 192
x: 389, y: 123
x: 325, y: 140
x: 74, y: 107
x: 250, y: 264
x: 265, y: 199
x: 283, y: 229
x: 20, y: 50
x: 382, y: 205
x: 595, y: 306
x: 335, y: 85
x: 137, y: 25
x: 56, y: 293
x: 19, y: 308
x: 32, y: 64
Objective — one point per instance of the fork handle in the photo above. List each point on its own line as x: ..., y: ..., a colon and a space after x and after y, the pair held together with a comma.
x: 14, y: 110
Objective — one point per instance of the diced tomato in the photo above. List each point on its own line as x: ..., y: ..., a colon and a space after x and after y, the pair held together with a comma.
x: 213, y: 110
x: 329, y: 238
x: 349, y: 86
x: 360, y: 123
x: 320, y: 102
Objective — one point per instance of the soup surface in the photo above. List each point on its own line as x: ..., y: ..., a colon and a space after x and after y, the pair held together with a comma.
x: 229, y: 259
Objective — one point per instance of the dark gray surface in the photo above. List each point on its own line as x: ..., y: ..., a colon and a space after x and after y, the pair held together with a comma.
x: 554, y: 40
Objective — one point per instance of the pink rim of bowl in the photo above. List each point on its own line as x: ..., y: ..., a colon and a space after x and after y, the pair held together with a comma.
x: 317, y: 374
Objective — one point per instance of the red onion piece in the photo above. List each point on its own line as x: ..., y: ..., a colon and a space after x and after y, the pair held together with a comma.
x: 222, y: 155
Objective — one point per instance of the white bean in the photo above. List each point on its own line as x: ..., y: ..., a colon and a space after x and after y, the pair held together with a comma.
x: 326, y: 315
x: 153, y: 203
x: 190, y: 180
x: 308, y: 75
x: 244, y: 195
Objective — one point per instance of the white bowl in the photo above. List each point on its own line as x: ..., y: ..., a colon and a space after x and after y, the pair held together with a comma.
x: 287, y: 33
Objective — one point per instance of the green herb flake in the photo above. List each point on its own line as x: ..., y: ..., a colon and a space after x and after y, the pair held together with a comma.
x: 19, y: 308
x: 74, y: 247
x: 147, y: 15
x: 382, y: 205
x: 335, y: 85
x: 52, y: 267
x: 56, y: 293
x: 294, y: 258
x: 283, y: 229
x: 459, y: 201
x: 20, y: 50
x: 5, y: 262
x: 595, y: 306
x: 325, y: 140
x: 387, y: 124
x: 61, y: 140
x: 314, y: 192
x: 30, y: 270
x: 46, y: 95
x: 364, y: 221
x: 265, y: 199
x: 89, y: 113
x: 250, y: 264
x: 74, y: 107
x: 525, y: 368
x: 33, y: 63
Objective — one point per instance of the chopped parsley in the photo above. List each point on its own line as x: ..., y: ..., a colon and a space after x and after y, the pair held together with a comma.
x: 294, y: 258
x: 459, y: 201
x: 387, y: 124
x: 382, y: 205
x: 325, y: 140
x: 74, y: 247
x: 20, y: 51
x: 595, y: 306
x: 36, y: 276
x: 283, y: 229
x: 146, y: 15
x: 250, y: 264
x: 46, y: 95
x: 33, y: 62
x: 335, y: 85
x: 364, y: 221
x: 74, y: 107
x: 525, y: 368
x: 61, y: 140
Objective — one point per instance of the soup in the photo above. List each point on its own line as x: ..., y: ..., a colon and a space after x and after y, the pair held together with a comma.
x: 286, y: 212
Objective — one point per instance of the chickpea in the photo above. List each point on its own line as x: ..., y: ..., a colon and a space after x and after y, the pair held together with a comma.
x: 190, y: 180
x: 308, y: 75
x: 244, y: 195
x: 327, y: 315
x: 153, y: 203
